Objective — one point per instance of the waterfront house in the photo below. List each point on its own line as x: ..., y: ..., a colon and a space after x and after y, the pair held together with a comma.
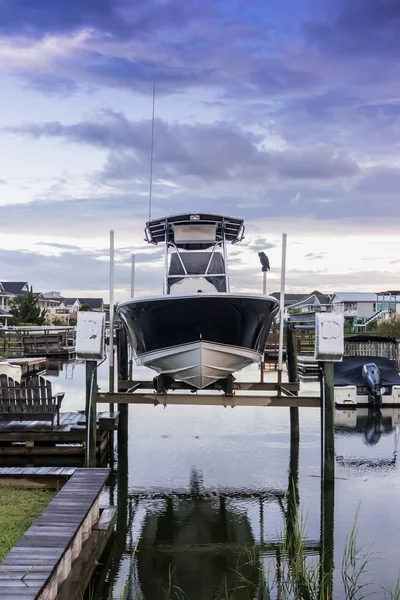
x: 10, y: 289
x: 73, y: 305
x: 96, y: 304
x: 389, y: 301
x: 355, y: 304
x: 304, y: 310
x: 55, y: 306
x: 289, y: 298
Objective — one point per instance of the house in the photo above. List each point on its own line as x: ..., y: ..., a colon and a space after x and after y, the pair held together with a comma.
x: 55, y: 306
x: 304, y: 310
x: 73, y: 305
x: 388, y: 301
x: 5, y: 317
x: 355, y: 304
x: 96, y: 304
x: 10, y: 289
x: 289, y: 298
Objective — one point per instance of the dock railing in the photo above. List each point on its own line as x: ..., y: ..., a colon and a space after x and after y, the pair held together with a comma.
x: 31, y: 340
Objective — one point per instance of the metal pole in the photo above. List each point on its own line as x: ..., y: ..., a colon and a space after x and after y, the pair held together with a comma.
x: 228, y: 285
x: 130, y: 369
x: 111, y: 341
x: 282, y: 306
x: 133, y: 276
x: 166, y: 260
x: 265, y: 283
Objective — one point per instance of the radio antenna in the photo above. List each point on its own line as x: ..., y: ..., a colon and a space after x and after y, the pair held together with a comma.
x: 152, y: 148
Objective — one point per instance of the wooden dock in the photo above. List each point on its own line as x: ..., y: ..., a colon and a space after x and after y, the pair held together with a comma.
x: 30, y: 366
x: 58, y: 553
x: 38, y: 438
x: 49, y: 341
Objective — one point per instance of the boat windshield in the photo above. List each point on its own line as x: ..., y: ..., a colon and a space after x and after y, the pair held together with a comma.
x: 205, y: 265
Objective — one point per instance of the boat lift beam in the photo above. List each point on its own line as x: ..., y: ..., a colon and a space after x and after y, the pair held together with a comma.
x: 255, y: 386
x: 210, y: 399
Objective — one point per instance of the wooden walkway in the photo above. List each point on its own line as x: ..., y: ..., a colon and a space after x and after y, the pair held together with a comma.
x: 42, y: 559
x: 69, y: 438
x: 36, y: 471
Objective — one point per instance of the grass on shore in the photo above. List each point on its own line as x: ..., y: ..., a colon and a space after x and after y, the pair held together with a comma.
x: 18, y: 509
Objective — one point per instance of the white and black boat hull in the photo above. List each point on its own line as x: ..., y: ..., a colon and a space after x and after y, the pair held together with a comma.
x: 199, y: 339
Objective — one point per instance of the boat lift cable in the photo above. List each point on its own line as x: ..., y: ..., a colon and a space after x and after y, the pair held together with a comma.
x: 152, y: 149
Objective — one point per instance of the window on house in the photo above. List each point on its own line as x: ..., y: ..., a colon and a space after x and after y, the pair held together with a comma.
x: 350, y: 305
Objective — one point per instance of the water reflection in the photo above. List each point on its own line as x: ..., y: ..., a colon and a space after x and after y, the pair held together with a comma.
x: 197, y: 545
x: 371, y: 426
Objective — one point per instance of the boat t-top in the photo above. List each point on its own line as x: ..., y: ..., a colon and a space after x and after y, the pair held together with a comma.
x: 198, y: 332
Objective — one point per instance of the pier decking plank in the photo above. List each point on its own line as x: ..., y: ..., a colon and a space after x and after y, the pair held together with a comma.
x: 31, y: 564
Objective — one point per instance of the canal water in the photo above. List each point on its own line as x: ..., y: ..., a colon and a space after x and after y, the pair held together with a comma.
x: 196, y: 485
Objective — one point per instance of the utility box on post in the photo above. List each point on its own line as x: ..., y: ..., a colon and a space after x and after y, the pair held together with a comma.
x: 90, y: 333
x: 329, y: 337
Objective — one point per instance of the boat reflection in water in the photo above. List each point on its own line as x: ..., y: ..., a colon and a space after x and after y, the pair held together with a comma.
x: 372, y: 425
x: 197, y: 548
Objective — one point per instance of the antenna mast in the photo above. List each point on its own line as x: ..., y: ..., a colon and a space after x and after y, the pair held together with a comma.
x: 152, y: 148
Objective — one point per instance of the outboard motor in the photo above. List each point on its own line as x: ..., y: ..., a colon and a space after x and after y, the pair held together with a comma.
x: 372, y: 379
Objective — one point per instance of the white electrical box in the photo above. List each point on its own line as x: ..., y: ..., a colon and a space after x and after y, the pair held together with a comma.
x: 90, y: 334
x: 329, y: 337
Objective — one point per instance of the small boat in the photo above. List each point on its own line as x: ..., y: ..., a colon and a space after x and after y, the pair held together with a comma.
x: 197, y: 332
x: 369, y: 381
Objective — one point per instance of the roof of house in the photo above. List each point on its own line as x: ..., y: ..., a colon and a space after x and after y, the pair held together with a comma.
x: 306, y: 300
x: 93, y: 302
x: 302, y: 298
x: 71, y: 301
x: 289, y: 298
x: 354, y: 297
x: 13, y: 287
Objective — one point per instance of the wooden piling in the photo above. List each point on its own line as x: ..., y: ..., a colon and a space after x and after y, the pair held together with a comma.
x: 327, y: 538
x: 327, y: 422
x: 291, y: 353
x: 123, y: 363
x: 90, y: 412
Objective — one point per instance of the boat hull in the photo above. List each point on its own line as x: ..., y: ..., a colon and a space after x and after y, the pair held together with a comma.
x: 199, y: 338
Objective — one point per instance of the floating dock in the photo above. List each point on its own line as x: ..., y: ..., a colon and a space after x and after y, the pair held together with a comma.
x: 40, y: 439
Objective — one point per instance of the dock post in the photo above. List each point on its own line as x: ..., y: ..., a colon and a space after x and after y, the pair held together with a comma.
x: 327, y: 538
x: 327, y: 422
x: 90, y: 413
x: 291, y: 353
x: 291, y: 513
x: 122, y: 444
x: 122, y: 353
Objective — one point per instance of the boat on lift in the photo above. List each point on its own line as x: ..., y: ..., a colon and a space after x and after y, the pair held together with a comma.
x: 198, y: 332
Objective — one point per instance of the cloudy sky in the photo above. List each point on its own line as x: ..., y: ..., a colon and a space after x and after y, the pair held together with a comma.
x: 283, y: 112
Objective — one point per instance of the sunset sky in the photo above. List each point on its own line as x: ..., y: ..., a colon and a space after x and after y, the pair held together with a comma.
x: 285, y: 113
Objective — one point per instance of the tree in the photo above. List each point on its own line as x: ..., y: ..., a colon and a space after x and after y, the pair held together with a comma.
x: 85, y: 307
x: 25, y: 308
